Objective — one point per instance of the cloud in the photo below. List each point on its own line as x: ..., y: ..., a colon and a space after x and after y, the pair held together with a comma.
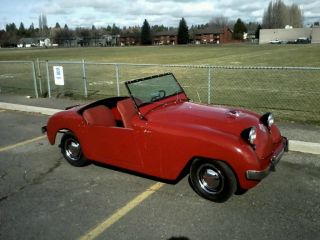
x: 133, y: 12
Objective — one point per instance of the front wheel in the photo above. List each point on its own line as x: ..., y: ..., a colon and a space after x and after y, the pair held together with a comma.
x: 71, y: 150
x: 213, y: 180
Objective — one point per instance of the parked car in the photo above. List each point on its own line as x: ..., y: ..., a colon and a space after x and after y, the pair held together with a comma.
x: 302, y: 40
x: 277, y: 41
x: 157, y: 131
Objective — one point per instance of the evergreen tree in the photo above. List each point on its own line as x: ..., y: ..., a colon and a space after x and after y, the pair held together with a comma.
x: 239, y: 29
x: 22, y: 30
x: 146, y: 33
x: 115, y: 30
x: 57, y: 25
x: 257, y: 34
x: 183, y: 32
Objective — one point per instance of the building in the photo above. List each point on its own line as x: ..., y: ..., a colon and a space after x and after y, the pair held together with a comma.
x: 212, y: 35
x: 128, y: 39
x: 166, y: 37
x: 289, y: 34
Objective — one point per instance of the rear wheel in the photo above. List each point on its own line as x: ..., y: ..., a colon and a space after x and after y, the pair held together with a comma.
x: 213, y: 180
x: 71, y: 150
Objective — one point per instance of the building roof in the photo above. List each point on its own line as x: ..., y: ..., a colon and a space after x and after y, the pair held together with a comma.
x: 173, y: 32
x: 209, y: 30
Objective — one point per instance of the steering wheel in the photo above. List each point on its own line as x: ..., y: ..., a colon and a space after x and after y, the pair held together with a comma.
x: 160, y: 94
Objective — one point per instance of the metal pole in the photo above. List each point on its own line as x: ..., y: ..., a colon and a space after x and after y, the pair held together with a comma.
x: 117, y: 77
x: 39, y: 77
x: 209, y: 85
x: 48, y: 79
x: 84, y: 78
x: 34, y: 80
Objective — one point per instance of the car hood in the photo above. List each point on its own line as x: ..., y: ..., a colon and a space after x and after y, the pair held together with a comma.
x: 232, y: 121
x: 225, y: 120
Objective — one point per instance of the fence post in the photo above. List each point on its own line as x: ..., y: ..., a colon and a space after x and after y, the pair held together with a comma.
x: 39, y: 77
x: 34, y: 80
x: 117, y: 78
x: 209, y: 85
x: 84, y: 78
x: 48, y: 79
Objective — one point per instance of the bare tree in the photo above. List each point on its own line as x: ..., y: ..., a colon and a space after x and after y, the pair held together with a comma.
x: 278, y: 15
x: 220, y: 22
x: 296, y: 16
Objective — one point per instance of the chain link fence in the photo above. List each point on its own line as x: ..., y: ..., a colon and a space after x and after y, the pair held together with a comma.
x: 292, y: 93
x: 18, y: 77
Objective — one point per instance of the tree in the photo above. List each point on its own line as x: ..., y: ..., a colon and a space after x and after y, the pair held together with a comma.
x: 22, y: 30
x: 295, y: 16
x: 183, y: 32
x: 146, y: 33
x: 57, y: 25
x: 220, y: 22
x: 257, y: 34
x: 115, y: 30
x: 239, y: 29
x: 278, y: 15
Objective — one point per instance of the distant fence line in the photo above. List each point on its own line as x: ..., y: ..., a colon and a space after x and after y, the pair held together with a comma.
x: 291, y: 91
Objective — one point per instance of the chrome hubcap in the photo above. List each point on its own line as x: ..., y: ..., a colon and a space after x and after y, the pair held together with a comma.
x: 73, y: 149
x: 210, y: 179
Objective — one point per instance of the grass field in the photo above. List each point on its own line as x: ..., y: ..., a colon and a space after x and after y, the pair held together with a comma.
x: 292, y: 94
x: 242, y: 55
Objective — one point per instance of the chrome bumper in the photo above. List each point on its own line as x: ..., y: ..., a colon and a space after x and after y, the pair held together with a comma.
x: 259, y: 175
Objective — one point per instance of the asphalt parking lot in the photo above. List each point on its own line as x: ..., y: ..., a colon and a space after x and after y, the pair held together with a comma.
x: 43, y: 197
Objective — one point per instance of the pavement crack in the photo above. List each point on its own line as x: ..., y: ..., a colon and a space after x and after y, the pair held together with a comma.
x: 3, y: 198
x: 2, y: 176
x: 35, y: 181
x: 41, y: 176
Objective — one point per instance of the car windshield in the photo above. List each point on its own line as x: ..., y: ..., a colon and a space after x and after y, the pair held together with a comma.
x: 152, y: 89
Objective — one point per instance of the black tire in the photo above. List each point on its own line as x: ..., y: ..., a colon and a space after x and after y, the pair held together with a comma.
x: 71, y: 150
x: 213, y: 180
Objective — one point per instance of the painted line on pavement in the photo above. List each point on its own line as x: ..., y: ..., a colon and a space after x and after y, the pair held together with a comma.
x: 22, y: 143
x: 95, y: 232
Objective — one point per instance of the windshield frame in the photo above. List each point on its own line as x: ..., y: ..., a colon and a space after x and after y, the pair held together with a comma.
x: 150, y: 78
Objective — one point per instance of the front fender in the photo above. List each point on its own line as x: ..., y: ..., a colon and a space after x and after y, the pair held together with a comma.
x: 188, y: 141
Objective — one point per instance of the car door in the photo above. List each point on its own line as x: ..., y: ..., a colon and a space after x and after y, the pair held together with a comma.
x: 114, y: 145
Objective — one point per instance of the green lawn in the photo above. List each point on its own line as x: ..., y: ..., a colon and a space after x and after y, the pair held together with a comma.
x: 292, y: 95
x: 240, y: 55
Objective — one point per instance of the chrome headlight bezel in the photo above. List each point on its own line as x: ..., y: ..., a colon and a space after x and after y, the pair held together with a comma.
x: 267, y: 119
x: 249, y: 135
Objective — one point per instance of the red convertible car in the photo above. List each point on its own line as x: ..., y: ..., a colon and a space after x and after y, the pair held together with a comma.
x: 157, y: 131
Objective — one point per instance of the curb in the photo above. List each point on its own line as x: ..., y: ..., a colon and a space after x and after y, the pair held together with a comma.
x: 32, y: 109
x: 294, y: 145
x: 305, y: 147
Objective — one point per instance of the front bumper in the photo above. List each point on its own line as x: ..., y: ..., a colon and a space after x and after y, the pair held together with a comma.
x: 259, y: 175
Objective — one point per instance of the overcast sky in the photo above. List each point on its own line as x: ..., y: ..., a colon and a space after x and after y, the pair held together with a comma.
x: 85, y: 13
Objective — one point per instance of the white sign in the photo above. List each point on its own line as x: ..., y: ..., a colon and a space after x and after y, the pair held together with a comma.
x: 58, y: 75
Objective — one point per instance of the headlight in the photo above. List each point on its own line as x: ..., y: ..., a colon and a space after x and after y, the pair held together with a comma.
x: 249, y: 135
x: 267, y: 119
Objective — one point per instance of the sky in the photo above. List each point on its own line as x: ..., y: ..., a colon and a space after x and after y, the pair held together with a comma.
x: 85, y: 13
